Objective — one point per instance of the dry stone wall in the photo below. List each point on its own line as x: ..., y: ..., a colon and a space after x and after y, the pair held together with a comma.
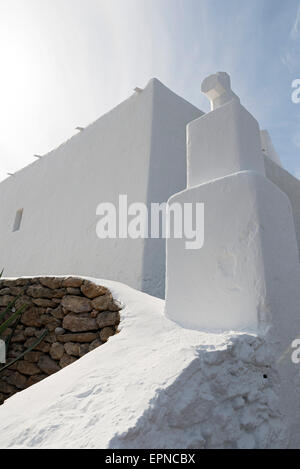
x: 77, y: 314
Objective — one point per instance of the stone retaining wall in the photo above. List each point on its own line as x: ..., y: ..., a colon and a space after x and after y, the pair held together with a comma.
x: 78, y: 315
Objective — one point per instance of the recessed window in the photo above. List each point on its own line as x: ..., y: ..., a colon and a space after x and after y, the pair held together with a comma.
x: 18, y: 220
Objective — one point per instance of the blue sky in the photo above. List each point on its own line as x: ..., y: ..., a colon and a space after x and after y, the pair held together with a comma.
x: 66, y: 62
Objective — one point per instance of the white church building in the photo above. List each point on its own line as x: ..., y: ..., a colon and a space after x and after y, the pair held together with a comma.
x: 48, y: 209
x: 231, y: 315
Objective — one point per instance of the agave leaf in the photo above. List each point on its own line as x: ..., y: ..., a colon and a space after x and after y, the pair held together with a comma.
x: 8, y: 339
x: 26, y: 351
x: 12, y: 318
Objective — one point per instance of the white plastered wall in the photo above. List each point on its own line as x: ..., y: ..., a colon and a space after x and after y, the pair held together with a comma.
x: 131, y: 150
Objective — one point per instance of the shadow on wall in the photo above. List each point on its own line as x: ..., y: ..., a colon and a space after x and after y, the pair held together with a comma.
x: 167, y: 172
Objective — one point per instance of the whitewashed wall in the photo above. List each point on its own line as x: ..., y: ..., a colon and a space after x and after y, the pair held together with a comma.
x: 137, y: 149
x: 290, y: 185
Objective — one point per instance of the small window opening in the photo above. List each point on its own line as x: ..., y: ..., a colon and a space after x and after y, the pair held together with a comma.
x: 18, y: 220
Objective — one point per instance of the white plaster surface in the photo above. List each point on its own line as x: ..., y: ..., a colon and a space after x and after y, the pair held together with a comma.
x: 247, y: 275
x: 268, y: 147
x: 131, y: 150
x: 247, y: 272
x: 139, y: 149
x: 162, y: 382
x: 223, y: 142
x: 290, y: 185
x: 156, y: 385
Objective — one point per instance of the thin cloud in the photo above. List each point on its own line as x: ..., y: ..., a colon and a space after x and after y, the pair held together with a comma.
x: 66, y: 62
x: 296, y: 26
x: 296, y: 139
x: 290, y: 57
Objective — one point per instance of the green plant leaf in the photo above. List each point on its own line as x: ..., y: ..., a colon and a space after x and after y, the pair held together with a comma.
x: 26, y: 351
x: 12, y: 318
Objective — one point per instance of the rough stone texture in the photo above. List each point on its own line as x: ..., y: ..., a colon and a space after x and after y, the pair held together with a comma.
x: 72, y: 282
x: 106, y: 319
x: 52, y: 283
x: 18, y: 337
x: 75, y: 323
x: 31, y: 317
x: 50, y: 322
x: 101, y: 303
x: 16, y: 291
x: 56, y: 351
x: 43, y: 302
x: 5, y: 300
x: 38, y: 291
x: 76, y: 304
x: 32, y: 357
x: 29, y: 331
x: 47, y: 365
x: 73, y: 349
x: 22, y: 301
x: 85, y: 348
x: 18, y: 380
x: 56, y: 312
x: 106, y: 333
x: 35, y: 379
x: 91, y: 290
x: 41, y: 347
x: 82, y: 338
x: 6, y: 388
x: 96, y: 343
x: 27, y: 368
x: 66, y: 360
x: 63, y: 307
x: 15, y: 283
x: 73, y: 291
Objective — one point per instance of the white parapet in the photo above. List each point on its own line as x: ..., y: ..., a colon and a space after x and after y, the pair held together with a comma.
x: 246, y: 276
x: 223, y: 142
x: 247, y: 272
x: 218, y: 90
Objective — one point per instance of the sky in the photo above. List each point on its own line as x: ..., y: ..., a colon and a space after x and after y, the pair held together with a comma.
x: 64, y: 63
